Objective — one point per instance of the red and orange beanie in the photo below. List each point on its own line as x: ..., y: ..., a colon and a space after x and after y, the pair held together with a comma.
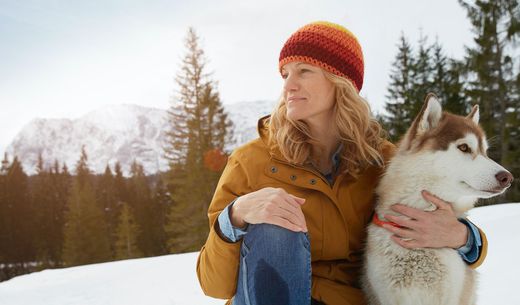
x: 329, y: 46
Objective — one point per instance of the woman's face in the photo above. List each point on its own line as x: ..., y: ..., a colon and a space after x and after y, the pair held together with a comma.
x: 309, y: 94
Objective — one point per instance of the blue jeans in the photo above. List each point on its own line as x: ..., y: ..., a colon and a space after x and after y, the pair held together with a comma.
x: 275, y: 267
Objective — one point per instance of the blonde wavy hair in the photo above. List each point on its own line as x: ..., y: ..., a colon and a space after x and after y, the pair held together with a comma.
x: 361, y: 135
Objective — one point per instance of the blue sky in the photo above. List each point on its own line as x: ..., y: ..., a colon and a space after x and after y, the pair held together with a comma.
x: 66, y: 58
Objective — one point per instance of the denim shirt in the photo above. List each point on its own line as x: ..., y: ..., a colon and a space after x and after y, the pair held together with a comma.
x: 469, y: 252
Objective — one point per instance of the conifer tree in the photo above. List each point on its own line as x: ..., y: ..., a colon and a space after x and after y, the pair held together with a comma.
x: 422, y: 72
x: 120, y: 185
x: 3, y: 209
x: 400, y: 104
x: 85, y: 235
x: 199, y: 126
x: 43, y: 203
x: 5, y: 165
x: 18, y: 216
x: 107, y: 199
x: 126, y: 246
x: 492, y: 69
x: 163, y: 203
x: 141, y: 204
x: 59, y: 189
x: 447, y: 81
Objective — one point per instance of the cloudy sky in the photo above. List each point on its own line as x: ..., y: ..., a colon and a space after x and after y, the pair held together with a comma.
x: 62, y: 59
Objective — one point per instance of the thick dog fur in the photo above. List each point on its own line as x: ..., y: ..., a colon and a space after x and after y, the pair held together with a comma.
x: 431, y: 156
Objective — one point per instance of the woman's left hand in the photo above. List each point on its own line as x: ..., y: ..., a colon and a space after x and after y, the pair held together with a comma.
x: 422, y: 229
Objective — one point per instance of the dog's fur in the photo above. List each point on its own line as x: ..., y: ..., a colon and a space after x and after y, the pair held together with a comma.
x: 430, y: 157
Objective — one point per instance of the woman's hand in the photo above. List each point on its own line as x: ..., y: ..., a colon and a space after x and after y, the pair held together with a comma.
x: 269, y: 205
x: 421, y: 229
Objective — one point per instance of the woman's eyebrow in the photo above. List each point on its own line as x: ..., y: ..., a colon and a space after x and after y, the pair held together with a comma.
x: 305, y: 65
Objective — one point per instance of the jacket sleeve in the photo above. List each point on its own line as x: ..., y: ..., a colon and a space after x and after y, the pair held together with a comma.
x: 483, y: 250
x: 226, y: 229
x: 218, y: 261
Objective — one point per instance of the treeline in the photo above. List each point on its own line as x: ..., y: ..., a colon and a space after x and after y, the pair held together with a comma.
x: 55, y: 219
x: 488, y: 75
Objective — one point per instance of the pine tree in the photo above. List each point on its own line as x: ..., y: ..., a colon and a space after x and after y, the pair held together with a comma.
x: 447, y: 81
x: 5, y: 165
x: 400, y: 104
x: 107, y: 199
x: 491, y: 76
x: 4, y: 233
x: 120, y: 185
x: 199, y: 126
x: 85, y: 234
x: 163, y: 202
x: 43, y: 202
x: 126, y: 235
x: 514, y: 140
x: 60, y: 187
x: 18, y: 217
x: 422, y: 76
x: 65, y: 169
x: 141, y: 203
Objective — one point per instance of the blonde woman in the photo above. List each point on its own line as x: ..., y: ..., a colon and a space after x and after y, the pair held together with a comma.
x: 288, y: 217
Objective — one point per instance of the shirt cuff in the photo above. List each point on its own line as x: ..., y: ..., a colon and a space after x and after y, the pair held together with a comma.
x: 232, y: 233
x: 471, y: 250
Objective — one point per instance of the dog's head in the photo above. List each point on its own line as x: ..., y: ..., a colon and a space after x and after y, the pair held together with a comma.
x: 451, y: 150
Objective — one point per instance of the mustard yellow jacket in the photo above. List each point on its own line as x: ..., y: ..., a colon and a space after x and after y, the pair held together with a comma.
x: 336, y: 219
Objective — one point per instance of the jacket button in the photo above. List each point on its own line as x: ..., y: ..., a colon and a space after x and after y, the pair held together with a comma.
x: 274, y: 169
x: 313, y: 181
x: 293, y: 177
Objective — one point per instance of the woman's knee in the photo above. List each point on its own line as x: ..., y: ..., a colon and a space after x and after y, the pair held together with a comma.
x: 275, y: 238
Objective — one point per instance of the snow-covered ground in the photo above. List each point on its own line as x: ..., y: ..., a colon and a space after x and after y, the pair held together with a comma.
x: 171, y: 279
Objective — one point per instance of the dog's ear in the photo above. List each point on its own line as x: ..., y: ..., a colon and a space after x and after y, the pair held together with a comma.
x: 474, y: 114
x: 429, y: 116
x: 427, y: 119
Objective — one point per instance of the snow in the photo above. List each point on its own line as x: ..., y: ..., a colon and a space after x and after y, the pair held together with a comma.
x: 499, y: 273
x: 171, y: 279
x: 162, y: 280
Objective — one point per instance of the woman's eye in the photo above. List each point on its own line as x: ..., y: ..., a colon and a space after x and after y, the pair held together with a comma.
x: 464, y: 148
x: 305, y: 70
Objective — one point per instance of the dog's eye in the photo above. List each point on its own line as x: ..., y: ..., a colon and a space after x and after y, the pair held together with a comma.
x: 464, y: 148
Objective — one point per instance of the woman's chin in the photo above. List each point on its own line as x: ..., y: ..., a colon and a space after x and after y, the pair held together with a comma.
x: 294, y: 116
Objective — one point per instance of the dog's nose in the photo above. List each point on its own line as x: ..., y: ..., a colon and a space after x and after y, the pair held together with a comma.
x: 504, y: 178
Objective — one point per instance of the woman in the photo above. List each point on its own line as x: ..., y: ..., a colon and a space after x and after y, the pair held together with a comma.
x: 288, y: 217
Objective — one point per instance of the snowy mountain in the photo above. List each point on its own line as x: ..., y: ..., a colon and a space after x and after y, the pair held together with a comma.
x: 116, y: 133
x: 171, y: 279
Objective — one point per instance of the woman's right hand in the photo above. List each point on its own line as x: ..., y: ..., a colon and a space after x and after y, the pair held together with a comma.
x: 269, y: 205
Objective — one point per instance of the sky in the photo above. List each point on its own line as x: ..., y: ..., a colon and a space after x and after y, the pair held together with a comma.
x: 171, y: 279
x: 63, y: 59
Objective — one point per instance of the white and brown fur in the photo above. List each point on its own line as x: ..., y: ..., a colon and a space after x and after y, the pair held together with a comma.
x: 430, y: 157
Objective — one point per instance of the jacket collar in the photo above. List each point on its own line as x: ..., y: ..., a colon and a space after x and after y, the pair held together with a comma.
x: 276, y: 154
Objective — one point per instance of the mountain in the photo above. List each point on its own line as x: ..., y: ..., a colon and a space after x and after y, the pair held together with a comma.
x: 172, y: 280
x: 114, y: 133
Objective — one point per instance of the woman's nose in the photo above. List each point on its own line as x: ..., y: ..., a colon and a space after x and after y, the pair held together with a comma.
x: 290, y: 83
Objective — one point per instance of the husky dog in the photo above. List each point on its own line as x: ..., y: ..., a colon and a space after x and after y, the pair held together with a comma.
x: 446, y: 155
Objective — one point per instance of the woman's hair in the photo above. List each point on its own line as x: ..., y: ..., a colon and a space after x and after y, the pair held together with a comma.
x: 361, y: 135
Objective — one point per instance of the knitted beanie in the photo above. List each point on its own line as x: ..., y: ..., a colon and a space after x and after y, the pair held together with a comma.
x: 329, y: 46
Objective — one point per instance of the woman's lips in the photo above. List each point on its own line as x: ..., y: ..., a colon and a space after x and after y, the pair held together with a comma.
x: 295, y: 99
